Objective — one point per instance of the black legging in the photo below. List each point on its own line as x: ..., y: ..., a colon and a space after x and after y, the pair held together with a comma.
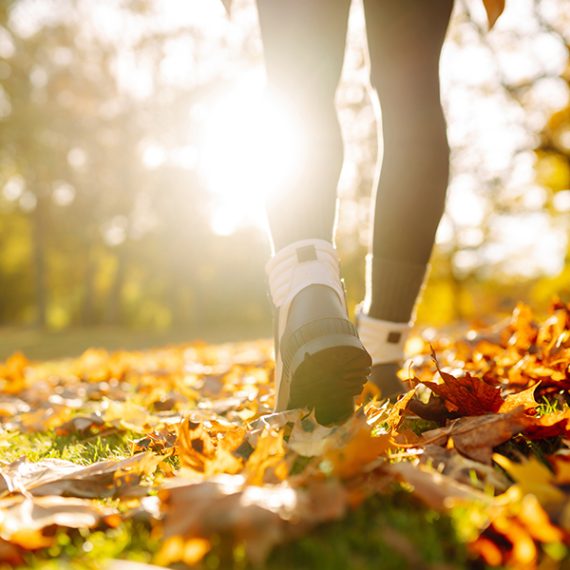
x: 304, y: 44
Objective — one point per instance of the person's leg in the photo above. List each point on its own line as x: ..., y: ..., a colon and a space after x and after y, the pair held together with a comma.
x: 320, y: 362
x: 405, y: 40
x: 303, y: 43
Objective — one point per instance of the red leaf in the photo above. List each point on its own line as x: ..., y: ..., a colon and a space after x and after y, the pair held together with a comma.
x: 467, y: 395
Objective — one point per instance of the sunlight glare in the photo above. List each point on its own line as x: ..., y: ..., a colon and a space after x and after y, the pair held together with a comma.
x: 251, y: 148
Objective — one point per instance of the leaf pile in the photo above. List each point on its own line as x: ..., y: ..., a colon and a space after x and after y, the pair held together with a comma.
x: 483, y: 431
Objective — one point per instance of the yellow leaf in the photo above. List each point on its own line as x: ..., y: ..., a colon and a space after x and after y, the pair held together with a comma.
x: 194, y: 550
x: 267, y: 462
x: 532, y: 477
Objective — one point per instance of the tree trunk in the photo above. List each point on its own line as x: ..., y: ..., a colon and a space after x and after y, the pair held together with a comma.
x: 39, y: 260
x: 88, y: 304
x: 114, y: 312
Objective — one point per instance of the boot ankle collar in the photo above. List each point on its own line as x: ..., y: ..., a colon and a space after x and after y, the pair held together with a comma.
x: 300, y: 264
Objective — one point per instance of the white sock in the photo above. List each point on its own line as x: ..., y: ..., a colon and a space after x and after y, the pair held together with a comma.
x: 384, y: 340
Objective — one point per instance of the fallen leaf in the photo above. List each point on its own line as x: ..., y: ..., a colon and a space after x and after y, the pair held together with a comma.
x: 548, y: 425
x: 202, y: 450
x: 57, y: 477
x: 23, y: 518
x: 437, y: 491
x: 476, y: 436
x: 465, y: 395
x: 308, y: 438
x: 462, y: 469
x: 267, y: 462
x: 13, y: 374
x: 533, y: 477
x: 523, y: 398
x: 350, y: 449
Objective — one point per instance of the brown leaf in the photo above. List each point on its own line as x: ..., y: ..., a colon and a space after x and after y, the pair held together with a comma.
x: 476, y: 436
x: 10, y: 554
x: 434, y: 489
x: 449, y: 462
x: 81, y: 424
x: 221, y: 506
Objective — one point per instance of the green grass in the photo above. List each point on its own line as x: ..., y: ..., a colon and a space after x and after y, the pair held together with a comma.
x: 394, y: 529
x: 39, y: 344
x: 78, y: 449
x: 393, y: 532
x: 389, y: 531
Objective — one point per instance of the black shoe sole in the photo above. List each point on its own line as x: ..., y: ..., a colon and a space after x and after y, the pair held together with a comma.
x: 327, y: 372
x: 385, y: 377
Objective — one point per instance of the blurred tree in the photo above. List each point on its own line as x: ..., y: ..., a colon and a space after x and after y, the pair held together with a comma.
x: 105, y: 218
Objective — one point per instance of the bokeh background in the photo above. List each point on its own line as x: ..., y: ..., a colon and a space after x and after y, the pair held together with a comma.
x: 126, y: 213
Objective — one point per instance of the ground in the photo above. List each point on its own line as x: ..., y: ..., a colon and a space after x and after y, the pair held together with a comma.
x: 173, y: 457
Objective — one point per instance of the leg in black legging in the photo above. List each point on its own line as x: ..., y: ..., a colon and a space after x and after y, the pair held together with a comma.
x: 405, y: 39
x: 303, y: 43
x: 318, y: 353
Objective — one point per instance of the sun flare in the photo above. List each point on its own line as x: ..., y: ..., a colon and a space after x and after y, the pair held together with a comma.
x: 252, y: 146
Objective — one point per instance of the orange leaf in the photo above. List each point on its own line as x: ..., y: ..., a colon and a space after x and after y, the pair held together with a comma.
x: 13, y: 374
x: 550, y: 425
x: 524, y: 398
x: 355, y: 447
x: 494, y: 9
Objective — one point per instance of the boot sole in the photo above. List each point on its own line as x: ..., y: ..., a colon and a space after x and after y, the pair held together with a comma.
x: 327, y: 373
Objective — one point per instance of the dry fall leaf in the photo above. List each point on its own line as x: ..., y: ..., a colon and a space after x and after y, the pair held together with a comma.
x: 434, y: 489
x: 23, y: 518
x: 466, y: 395
x: 533, y: 477
x: 354, y: 447
x: 476, y: 436
x: 259, y: 479
x: 57, y: 477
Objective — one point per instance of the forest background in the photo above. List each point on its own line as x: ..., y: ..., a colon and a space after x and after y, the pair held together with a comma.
x: 126, y: 215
